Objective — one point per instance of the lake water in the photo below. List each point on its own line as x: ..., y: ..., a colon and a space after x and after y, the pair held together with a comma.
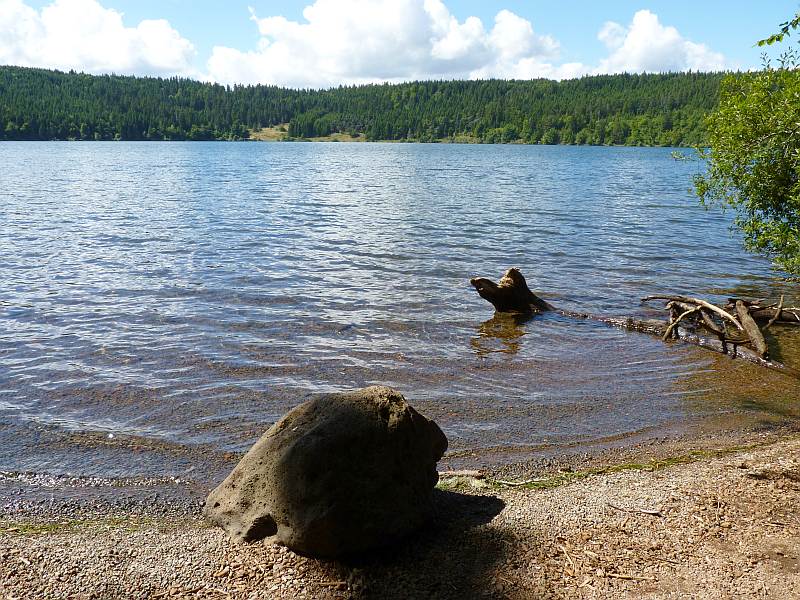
x: 161, y: 304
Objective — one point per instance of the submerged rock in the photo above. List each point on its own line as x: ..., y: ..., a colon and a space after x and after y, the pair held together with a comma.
x: 338, y: 474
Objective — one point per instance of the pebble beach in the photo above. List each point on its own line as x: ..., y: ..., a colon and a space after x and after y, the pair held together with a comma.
x: 718, y: 524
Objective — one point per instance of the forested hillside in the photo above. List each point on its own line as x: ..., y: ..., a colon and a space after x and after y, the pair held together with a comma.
x: 668, y: 109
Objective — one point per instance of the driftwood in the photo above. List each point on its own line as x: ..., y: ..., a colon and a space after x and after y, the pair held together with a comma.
x: 735, y: 325
x: 786, y: 315
x: 676, y: 321
x: 777, y: 314
x: 773, y: 313
x: 510, y: 294
x: 751, y: 327
x: 696, y: 301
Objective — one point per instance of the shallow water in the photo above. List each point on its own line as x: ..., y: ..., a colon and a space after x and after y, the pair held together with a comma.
x: 164, y: 303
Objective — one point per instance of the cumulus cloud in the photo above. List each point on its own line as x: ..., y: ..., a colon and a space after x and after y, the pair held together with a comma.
x: 337, y: 42
x: 360, y: 41
x: 648, y: 46
x: 83, y: 35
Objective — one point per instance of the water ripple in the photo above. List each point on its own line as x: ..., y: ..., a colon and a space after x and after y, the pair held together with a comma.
x: 189, y: 294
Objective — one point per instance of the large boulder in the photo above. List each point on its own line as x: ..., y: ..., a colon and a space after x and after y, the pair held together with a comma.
x: 338, y: 474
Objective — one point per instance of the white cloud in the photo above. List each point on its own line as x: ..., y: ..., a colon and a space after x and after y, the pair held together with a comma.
x: 612, y: 34
x: 83, y: 35
x: 360, y: 41
x: 648, y: 46
x: 337, y: 42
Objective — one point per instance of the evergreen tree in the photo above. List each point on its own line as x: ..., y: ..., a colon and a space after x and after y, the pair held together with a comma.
x: 656, y: 109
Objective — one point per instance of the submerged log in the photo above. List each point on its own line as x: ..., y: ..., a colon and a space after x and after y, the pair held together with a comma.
x: 774, y: 313
x: 512, y: 294
x: 785, y: 315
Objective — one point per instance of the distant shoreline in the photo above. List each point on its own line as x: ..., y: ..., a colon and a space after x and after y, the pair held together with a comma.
x: 344, y: 138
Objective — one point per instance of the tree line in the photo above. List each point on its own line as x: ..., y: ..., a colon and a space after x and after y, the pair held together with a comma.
x: 627, y: 109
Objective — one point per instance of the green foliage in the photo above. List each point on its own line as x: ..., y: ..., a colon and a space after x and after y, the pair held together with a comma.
x: 754, y: 161
x: 645, y: 110
x: 783, y: 31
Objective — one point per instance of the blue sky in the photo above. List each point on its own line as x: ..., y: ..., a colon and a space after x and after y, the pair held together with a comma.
x: 356, y: 41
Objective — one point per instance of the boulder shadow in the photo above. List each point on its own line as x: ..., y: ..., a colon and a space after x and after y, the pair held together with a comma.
x: 454, y: 556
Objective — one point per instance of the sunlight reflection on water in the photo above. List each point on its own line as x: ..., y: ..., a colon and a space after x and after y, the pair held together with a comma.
x: 187, y: 295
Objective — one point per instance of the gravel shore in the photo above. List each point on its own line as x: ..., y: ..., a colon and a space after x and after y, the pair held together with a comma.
x: 705, y: 525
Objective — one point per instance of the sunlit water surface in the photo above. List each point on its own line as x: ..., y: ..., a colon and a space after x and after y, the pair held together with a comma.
x: 163, y: 303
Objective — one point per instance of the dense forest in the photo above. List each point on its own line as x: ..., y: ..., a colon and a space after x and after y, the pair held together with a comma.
x: 665, y: 109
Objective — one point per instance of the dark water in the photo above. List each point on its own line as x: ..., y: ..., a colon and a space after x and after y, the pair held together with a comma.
x: 162, y: 304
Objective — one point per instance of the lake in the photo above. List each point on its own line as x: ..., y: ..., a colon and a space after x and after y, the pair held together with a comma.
x: 162, y: 304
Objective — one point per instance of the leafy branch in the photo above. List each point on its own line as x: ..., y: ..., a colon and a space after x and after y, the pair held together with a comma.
x: 784, y: 30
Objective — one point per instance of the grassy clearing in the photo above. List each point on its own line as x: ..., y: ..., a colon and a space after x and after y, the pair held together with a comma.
x: 340, y: 137
x: 277, y: 133
x: 280, y: 133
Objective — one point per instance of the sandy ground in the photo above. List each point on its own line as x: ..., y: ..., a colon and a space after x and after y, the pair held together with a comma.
x: 720, y: 527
